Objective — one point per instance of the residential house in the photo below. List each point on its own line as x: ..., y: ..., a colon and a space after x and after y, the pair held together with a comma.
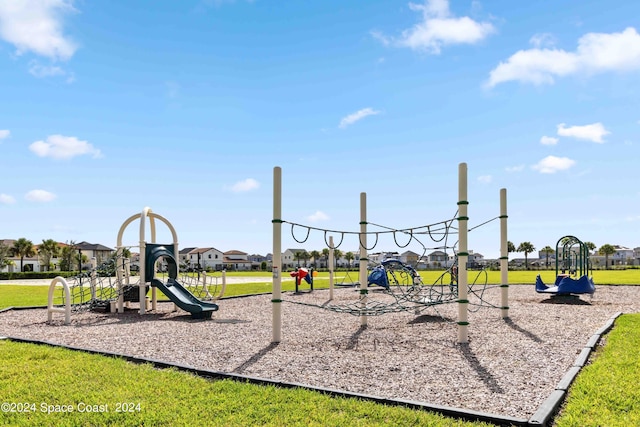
x: 236, y: 260
x: 29, y: 263
x: 85, y: 249
x: 205, y: 259
x: 438, y: 259
x: 257, y: 260
x: 94, y: 250
x: 475, y: 260
x: 409, y: 258
x: 378, y: 257
x: 622, y: 256
x: 290, y: 260
x: 547, y: 259
x: 183, y: 257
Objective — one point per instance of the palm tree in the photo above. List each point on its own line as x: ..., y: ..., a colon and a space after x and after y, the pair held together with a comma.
x: 590, y: 246
x: 349, y: 257
x: 510, y: 247
x: 337, y: 254
x: 325, y: 255
x: 547, y: 250
x: 300, y: 255
x: 315, y: 255
x: 5, y: 253
x: 606, y: 250
x: 23, y: 248
x: 67, y: 255
x: 47, y: 250
x: 527, y: 248
x: 306, y: 257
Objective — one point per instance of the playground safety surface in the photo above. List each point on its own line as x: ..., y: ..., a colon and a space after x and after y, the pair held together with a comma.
x: 509, y: 367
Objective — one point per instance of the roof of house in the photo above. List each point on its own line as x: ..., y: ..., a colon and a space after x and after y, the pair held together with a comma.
x: 201, y: 250
x: 293, y: 251
x: 234, y: 252
x: 407, y: 253
x: 185, y: 251
x: 86, y: 246
x: 236, y: 261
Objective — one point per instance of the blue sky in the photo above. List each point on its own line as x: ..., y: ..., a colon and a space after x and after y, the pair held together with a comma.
x: 186, y: 107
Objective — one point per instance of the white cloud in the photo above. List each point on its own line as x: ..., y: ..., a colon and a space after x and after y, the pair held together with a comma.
x: 318, y: 216
x: 358, y: 115
x: 39, y: 196
x: 4, y: 134
x: 593, y: 132
x: 553, y: 164
x: 542, y: 39
x: 63, y: 147
x: 596, y: 53
x: 41, y: 71
x: 518, y: 168
x: 36, y: 26
x: 438, y: 28
x: 245, y: 185
x: 485, y: 179
x: 385, y: 40
x: 548, y: 140
x: 6, y: 199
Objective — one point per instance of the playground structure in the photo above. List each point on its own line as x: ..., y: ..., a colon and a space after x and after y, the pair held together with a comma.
x: 411, y: 295
x: 301, y: 274
x: 92, y: 290
x: 573, y: 269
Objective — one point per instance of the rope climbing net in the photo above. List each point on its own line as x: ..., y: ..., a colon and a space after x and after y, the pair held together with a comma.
x: 94, y: 289
x: 97, y: 287
x: 395, y: 286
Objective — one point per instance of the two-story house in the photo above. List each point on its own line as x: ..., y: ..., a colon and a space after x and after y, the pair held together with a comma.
x: 236, y: 260
x: 205, y: 259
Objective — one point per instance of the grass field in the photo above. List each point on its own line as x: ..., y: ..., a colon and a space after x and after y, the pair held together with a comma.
x: 18, y: 295
x: 42, y: 382
x: 604, y: 394
x: 602, y: 277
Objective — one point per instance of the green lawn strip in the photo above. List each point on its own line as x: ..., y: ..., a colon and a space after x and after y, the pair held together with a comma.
x: 606, y: 391
x: 23, y: 296
x: 43, y: 377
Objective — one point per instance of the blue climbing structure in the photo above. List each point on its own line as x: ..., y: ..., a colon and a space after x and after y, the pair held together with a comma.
x: 573, y: 269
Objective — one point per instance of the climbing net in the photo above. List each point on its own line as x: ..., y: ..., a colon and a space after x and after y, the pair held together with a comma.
x: 395, y: 286
x: 202, y: 286
x: 94, y: 289
x: 97, y: 287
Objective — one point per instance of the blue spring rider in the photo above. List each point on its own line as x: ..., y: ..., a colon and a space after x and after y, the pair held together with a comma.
x: 572, y: 260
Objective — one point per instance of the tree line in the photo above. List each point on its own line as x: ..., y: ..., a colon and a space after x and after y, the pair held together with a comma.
x: 305, y: 256
x: 527, y: 248
x: 67, y: 254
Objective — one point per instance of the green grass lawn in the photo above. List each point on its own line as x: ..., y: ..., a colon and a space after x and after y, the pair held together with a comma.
x: 47, y: 378
x: 606, y: 391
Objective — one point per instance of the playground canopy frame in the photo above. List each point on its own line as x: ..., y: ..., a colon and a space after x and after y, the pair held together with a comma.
x: 143, y: 216
x: 570, y: 258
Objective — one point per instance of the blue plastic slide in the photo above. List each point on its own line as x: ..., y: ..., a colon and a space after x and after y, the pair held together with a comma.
x: 185, y: 299
x: 565, y: 285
